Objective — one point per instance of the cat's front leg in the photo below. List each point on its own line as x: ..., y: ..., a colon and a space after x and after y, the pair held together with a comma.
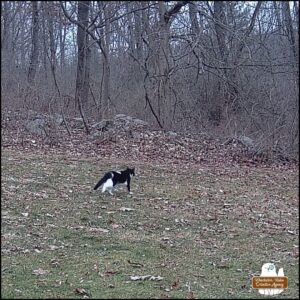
x: 128, y: 186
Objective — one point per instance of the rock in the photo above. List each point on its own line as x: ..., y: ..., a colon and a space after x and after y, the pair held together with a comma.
x: 242, y: 140
x: 246, y: 141
x: 40, y: 124
x: 95, y: 135
x: 172, y: 133
x: 120, y: 122
x: 57, y: 119
x: 120, y: 116
x: 140, y: 122
x: 37, y: 126
x: 77, y: 123
x: 122, y: 119
x: 104, y: 125
x: 130, y: 121
x: 136, y: 135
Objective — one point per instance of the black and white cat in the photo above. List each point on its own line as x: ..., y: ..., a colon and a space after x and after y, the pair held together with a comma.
x: 110, y: 179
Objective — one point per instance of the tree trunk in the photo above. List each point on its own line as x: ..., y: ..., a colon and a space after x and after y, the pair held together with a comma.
x: 104, y: 44
x: 62, y: 41
x: 195, y: 28
x: 52, y: 44
x: 82, y: 80
x: 5, y: 37
x: 288, y: 26
x: 220, y: 27
x: 278, y: 16
x: 163, y: 59
x: 229, y: 101
x: 138, y: 32
x: 34, y: 57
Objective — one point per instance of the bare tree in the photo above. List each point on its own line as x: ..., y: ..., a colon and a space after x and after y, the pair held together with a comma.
x: 224, y: 67
x: 221, y: 28
x: 288, y: 26
x: 104, y: 43
x: 34, y: 57
x: 160, y: 47
x: 82, y: 80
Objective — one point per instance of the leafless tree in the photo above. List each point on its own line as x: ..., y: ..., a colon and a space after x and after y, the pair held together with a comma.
x: 227, y: 67
x: 34, y: 57
x: 82, y: 80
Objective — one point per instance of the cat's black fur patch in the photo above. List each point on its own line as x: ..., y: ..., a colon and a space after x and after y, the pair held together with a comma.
x: 117, y: 178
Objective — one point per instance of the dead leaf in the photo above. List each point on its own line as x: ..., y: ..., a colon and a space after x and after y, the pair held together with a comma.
x: 135, y: 264
x: 53, y: 247
x: 157, y: 278
x: 54, y: 262
x: 150, y: 277
x: 126, y: 209
x: 230, y: 291
x: 295, y: 253
x: 40, y: 271
x: 135, y: 278
x: 98, y: 229
x: 175, y: 284
x: 114, y: 226
x: 107, y: 273
x: 164, y: 296
x: 189, y: 295
x: 82, y: 292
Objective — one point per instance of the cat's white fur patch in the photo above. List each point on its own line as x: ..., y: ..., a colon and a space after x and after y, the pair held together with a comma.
x: 108, y: 185
x: 119, y: 172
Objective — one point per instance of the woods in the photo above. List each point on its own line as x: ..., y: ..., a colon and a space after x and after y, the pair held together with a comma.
x: 227, y: 68
x: 193, y: 105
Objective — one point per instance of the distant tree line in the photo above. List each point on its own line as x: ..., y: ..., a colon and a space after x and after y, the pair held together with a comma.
x: 225, y: 67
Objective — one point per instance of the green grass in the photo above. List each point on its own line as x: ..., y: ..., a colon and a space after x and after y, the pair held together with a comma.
x: 208, y: 229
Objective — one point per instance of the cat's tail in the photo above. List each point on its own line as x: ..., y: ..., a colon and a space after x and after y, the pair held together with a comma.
x: 103, y: 179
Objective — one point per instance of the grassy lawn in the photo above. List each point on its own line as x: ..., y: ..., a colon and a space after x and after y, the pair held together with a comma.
x: 205, y: 231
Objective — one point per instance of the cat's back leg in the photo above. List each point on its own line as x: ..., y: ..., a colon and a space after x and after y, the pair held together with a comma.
x: 108, y: 184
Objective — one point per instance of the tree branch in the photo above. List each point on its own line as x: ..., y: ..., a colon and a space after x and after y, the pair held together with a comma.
x: 174, y: 10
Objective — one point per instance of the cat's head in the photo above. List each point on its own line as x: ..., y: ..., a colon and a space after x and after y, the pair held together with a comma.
x: 131, y: 171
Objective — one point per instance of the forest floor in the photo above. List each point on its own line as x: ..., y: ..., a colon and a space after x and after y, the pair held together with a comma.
x: 202, y: 219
